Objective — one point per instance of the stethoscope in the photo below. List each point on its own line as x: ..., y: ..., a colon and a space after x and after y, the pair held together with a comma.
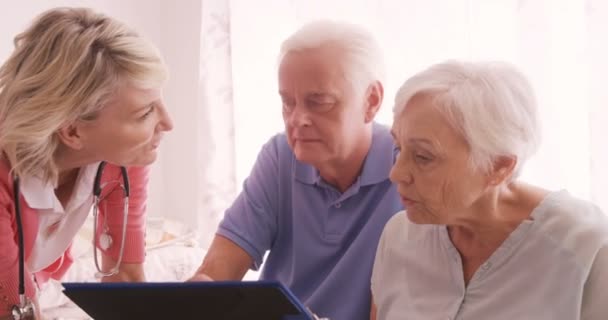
x: 25, y: 308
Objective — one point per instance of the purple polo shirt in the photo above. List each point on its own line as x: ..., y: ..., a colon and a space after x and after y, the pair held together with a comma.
x: 322, y: 242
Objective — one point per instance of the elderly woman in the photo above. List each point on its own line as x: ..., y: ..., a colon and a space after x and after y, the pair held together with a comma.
x: 81, y: 91
x: 474, y: 242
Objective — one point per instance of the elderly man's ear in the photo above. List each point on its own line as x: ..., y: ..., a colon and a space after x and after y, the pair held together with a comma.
x: 374, y: 96
x: 502, y: 169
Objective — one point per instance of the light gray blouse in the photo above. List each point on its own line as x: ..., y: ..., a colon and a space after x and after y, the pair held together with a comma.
x: 553, y: 267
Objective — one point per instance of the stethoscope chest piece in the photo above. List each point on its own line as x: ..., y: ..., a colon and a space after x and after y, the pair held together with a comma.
x: 105, y: 241
x: 24, y: 311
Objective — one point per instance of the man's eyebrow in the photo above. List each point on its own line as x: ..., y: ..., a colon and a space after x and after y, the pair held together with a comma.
x: 321, y: 95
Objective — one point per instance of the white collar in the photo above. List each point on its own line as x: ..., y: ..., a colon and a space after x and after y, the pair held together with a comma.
x: 41, y: 195
x: 37, y: 194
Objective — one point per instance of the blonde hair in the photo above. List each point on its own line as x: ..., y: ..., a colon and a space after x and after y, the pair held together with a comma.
x: 65, y: 67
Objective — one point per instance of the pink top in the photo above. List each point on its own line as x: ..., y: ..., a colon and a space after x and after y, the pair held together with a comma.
x: 134, y: 251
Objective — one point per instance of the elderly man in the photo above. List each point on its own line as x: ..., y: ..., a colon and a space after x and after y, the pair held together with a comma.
x: 319, y: 194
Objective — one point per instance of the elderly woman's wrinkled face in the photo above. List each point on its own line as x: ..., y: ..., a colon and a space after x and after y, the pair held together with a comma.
x: 129, y: 129
x: 432, y: 172
x: 322, y: 112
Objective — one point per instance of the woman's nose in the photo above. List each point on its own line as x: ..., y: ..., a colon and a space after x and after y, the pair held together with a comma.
x: 400, y: 172
x: 166, y: 124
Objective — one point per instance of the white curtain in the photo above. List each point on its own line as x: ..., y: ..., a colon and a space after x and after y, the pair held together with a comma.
x: 560, y: 44
x: 217, y: 178
x: 194, y: 181
x: 597, y: 24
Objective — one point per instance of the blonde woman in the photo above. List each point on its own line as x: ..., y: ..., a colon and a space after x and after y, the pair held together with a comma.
x: 80, y: 91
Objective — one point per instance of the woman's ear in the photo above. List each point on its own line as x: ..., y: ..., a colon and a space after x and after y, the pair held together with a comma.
x: 373, y: 96
x: 502, y: 169
x: 71, y: 136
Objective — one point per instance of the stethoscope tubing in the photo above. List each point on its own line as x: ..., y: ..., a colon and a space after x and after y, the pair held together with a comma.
x: 24, y: 303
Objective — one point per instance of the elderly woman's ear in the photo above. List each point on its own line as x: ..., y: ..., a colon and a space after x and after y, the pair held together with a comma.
x: 502, y: 169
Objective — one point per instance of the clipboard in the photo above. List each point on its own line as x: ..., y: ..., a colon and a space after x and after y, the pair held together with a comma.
x: 217, y: 300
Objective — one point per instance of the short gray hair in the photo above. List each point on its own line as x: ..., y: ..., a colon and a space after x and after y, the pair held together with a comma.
x: 363, y: 56
x: 491, y: 104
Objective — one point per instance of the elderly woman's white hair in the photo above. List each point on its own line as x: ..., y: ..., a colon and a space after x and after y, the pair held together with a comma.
x: 362, y: 53
x: 491, y: 104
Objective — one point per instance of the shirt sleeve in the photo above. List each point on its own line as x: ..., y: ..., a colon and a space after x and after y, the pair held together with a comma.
x: 9, y: 258
x: 595, y: 302
x: 113, y: 206
x: 251, y: 221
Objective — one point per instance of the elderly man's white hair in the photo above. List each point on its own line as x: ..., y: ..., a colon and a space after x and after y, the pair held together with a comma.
x: 362, y: 54
x: 491, y: 104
